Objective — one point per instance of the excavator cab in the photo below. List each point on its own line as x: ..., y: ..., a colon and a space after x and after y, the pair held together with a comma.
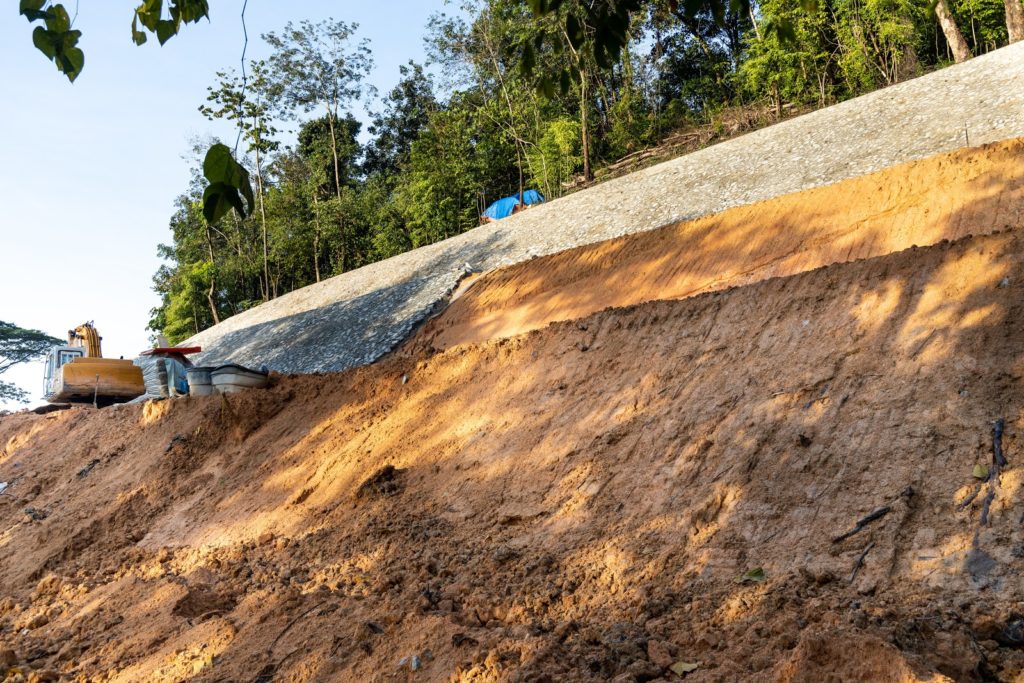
x: 58, y: 357
x: 78, y: 372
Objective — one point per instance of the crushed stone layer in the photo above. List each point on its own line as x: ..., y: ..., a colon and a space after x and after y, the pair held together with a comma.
x: 972, y: 191
x: 354, y: 318
x: 557, y: 506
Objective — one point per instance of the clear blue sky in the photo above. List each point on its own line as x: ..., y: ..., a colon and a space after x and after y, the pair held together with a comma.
x: 89, y: 171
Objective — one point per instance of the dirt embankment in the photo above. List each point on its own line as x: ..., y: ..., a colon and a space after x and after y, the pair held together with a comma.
x: 577, y: 503
x: 973, y: 191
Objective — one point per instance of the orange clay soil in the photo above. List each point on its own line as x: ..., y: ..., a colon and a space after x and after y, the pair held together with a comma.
x: 575, y: 504
x: 972, y: 191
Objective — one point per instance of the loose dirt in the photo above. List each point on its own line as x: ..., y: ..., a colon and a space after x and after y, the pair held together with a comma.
x: 645, y: 493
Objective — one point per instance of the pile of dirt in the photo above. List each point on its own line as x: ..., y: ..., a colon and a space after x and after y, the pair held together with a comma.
x: 792, y: 480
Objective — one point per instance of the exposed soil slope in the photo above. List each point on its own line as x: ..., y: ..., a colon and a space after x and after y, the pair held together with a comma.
x: 971, y: 191
x: 576, y: 503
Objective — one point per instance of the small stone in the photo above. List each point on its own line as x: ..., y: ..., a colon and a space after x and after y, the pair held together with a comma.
x: 1012, y: 634
x: 504, y: 554
x: 35, y: 515
x: 38, y: 621
x: 265, y: 538
x: 659, y: 654
x: 8, y: 658
x: 48, y: 585
x: 643, y: 670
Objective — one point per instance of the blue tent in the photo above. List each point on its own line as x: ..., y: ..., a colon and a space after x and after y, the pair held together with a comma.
x: 503, y: 208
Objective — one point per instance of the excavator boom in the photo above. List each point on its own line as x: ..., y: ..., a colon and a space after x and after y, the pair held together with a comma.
x: 86, y: 336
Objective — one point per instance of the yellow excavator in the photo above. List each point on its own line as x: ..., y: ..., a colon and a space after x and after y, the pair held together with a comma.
x: 78, y: 372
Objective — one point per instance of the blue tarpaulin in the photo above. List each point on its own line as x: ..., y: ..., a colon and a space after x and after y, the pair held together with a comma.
x: 503, y: 208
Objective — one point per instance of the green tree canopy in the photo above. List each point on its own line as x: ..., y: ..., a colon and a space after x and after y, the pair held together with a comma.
x: 20, y: 345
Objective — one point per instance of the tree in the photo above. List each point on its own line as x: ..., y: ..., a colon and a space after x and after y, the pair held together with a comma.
x: 1014, y: 20
x: 332, y: 150
x: 406, y: 113
x: 955, y: 39
x: 248, y: 104
x: 797, y: 69
x: 876, y: 40
x: 316, y: 66
x: 19, y: 345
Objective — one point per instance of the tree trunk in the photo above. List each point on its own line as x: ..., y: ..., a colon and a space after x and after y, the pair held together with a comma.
x: 343, y: 255
x: 585, y: 126
x: 519, y: 163
x: 213, y: 279
x: 316, y: 237
x: 337, y: 185
x: 955, y: 39
x: 263, y: 220
x: 1014, y: 20
x: 334, y: 155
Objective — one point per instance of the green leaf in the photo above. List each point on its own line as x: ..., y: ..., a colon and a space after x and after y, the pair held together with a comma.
x: 44, y: 41
x: 72, y: 61
x: 228, y: 184
x: 69, y: 62
x: 165, y: 30
x: 32, y: 9
x: 755, y: 575
x: 138, y: 37
x: 58, y: 19
x: 683, y: 668
x: 980, y: 472
x: 190, y: 11
x: 149, y: 13
x: 218, y: 199
x: 218, y: 166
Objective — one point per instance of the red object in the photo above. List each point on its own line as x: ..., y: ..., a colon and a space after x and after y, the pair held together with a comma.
x: 172, y: 350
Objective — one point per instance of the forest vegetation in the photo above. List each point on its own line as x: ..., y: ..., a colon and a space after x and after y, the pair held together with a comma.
x: 475, y: 123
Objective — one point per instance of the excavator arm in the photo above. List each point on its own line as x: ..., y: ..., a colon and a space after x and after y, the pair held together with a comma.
x: 86, y: 336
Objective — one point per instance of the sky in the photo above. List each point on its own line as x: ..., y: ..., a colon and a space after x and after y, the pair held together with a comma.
x: 89, y: 171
